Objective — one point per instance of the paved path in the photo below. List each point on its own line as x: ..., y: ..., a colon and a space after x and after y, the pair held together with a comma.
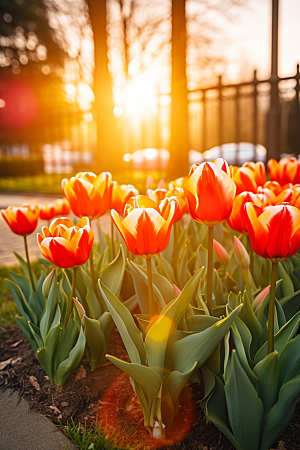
x: 24, y: 429
x: 10, y: 242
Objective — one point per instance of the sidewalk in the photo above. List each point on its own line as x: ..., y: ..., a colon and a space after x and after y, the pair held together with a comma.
x: 10, y: 242
x: 24, y: 429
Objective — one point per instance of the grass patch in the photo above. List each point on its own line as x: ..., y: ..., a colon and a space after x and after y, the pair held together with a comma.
x: 51, y: 183
x: 88, y: 438
x: 8, y: 308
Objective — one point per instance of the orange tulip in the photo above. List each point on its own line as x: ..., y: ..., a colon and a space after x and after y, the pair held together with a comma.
x: 146, y: 226
x: 238, y: 218
x: 210, y: 194
x: 249, y: 177
x: 88, y: 195
x: 287, y: 170
x: 66, y: 244
x: 23, y: 219
x: 120, y: 196
x: 275, y: 232
x: 48, y: 211
x: 178, y: 193
x: 62, y: 207
x: 179, y: 182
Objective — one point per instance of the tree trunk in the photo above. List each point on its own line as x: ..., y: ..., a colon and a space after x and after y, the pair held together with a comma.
x: 178, y: 164
x: 109, y: 150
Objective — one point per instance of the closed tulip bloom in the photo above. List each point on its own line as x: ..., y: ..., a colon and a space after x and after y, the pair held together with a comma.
x: 146, y: 226
x: 274, y: 232
x: 66, y: 244
x: 88, y: 195
x: 259, y: 172
x: 120, y: 195
x: 62, y: 207
x: 23, y: 219
x: 48, y: 211
x: 287, y: 170
x: 157, y: 195
x: 238, y: 218
x: 210, y: 193
x: 178, y: 194
x: 221, y: 253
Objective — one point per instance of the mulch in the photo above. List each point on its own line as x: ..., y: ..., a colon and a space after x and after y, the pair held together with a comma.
x: 105, y: 394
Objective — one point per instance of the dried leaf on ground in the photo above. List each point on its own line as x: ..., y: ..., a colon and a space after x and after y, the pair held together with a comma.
x: 81, y: 373
x: 34, y: 382
x: 17, y: 343
x: 55, y: 409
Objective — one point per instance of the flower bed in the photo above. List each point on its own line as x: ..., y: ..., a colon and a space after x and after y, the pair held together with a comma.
x: 212, y: 302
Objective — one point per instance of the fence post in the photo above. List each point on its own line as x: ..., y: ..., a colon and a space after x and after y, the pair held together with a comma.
x: 297, y: 114
x: 255, y: 119
x: 203, y: 121
x: 237, y: 126
x: 220, y: 121
x: 274, y: 114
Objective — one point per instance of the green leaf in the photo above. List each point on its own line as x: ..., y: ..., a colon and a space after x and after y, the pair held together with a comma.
x: 69, y: 365
x: 241, y: 353
x: 67, y: 340
x: 284, y: 335
x: 214, y: 404
x: 289, y: 361
x: 51, y: 307
x: 39, y: 291
x: 131, y: 335
x: 21, y: 302
x: 183, y: 272
x: 290, y: 304
x: 140, y: 281
x: 280, y: 415
x: 249, y: 318
x: 158, y: 335
x: 245, y: 409
x: 112, y: 275
x: 95, y: 342
x: 200, y: 322
x: 27, y: 331
x: 198, y: 346
x: 24, y: 267
x: 107, y: 324
x: 267, y: 372
x: 23, y: 282
x: 45, y: 355
x: 35, y: 331
x: 287, y: 284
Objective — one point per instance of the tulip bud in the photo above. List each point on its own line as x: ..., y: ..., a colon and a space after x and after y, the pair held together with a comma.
x: 177, y: 291
x: 79, y: 308
x: 241, y: 255
x: 47, y: 283
x: 257, y: 302
x: 221, y: 253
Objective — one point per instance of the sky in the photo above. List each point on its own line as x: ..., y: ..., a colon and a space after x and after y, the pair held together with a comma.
x: 252, y: 37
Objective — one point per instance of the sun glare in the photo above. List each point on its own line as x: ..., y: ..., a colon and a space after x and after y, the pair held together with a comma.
x: 139, y: 95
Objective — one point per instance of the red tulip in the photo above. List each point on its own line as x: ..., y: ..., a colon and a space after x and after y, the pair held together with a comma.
x: 121, y: 195
x: 275, y: 232
x: 287, y: 170
x: 65, y: 244
x: 210, y: 193
x: 23, y: 219
x: 238, y: 218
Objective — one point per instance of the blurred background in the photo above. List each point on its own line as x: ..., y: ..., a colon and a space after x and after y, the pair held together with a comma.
x: 139, y: 86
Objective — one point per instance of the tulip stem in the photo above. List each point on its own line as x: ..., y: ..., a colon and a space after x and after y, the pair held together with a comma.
x: 112, y: 238
x: 73, y: 289
x: 210, y: 268
x: 28, y: 263
x: 175, y: 251
x: 150, y: 288
x: 251, y: 255
x: 92, y: 270
x: 272, y: 308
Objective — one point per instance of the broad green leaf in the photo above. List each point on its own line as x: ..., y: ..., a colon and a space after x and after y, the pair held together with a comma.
x: 131, y: 303
x: 249, y: 318
x: 27, y: 331
x: 267, y: 372
x: 214, y: 404
x: 102, y: 239
x: 35, y: 331
x: 67, y: 366
x: 280, y: 415
x: 39, y: 291
x: 95, y: 342
x: 284, y: 335
x: 289, y: 361
x: 173, y: 383
x: 24, y: 266
x: 51, y: 307
x: 158, y: 335
x: 107, y: 324
x: 163, y: 285
x: 245, y: 409
x: 148, y: 380
x: 112, y: 275
x: 23, y: 282
x: 290, y: 304
x: 45, y: 355
x: 67, y: 340
x: 218, y: 289
x: 241, y: 353
x: 131, y: 335
x: 183, y: 272
x: 140, y: 281
x: 200, y: 322
x: 287, y: 284
x: 21, y: 302
x: 199, y: 346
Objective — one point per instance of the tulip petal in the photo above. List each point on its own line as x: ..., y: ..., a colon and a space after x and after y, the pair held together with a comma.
x: 60, y: 221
